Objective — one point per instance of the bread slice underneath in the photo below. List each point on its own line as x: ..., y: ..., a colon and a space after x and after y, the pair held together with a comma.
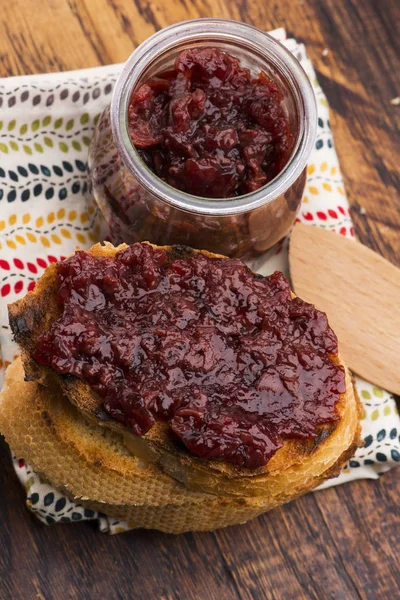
x: 92, y: 465
x: 33, y: 314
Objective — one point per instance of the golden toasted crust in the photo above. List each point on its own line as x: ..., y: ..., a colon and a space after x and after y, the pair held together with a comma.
x: 35, y: 420
x: 91, y: 464
x: 32, y: 314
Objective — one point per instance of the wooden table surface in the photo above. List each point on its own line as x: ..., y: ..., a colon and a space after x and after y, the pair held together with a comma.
x: 342, y: 543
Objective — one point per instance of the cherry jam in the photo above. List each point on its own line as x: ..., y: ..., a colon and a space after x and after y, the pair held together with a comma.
x: 210, y: 128
x: 227, y: 358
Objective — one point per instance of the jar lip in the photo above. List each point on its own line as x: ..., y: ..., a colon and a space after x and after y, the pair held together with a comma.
x: 223, y: 30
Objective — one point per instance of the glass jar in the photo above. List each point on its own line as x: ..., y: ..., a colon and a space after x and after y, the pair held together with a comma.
x: 139, y: 206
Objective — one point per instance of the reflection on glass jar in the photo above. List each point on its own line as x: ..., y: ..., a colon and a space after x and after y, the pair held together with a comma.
x: 139, y: 206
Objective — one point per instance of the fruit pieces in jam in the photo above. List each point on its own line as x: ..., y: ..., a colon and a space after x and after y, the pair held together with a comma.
x: 227, y: 358
x: 208, y: 127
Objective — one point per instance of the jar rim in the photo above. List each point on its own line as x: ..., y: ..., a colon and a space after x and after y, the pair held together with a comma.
x: 225, y: 30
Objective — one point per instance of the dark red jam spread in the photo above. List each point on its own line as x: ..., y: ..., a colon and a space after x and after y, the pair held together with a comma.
x: 208, y: 127
x: 226, y: 357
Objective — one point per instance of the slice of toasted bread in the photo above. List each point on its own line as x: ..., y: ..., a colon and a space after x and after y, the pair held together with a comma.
x: 35, y: 419
x: 32, y: 315
x: 91, y: 464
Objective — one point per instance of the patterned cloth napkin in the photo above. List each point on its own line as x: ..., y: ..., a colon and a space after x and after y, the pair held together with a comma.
x: 46, y: 211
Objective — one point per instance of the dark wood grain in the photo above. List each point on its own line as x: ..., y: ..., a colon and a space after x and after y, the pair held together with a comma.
x: 341, y: 543
x: 338, y: 544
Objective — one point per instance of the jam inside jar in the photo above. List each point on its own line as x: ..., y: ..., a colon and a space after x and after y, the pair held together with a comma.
x: 208, y: 127
x: 206, y: 140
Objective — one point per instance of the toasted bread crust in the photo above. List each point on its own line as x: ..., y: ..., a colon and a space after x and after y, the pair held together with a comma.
x: 92, y: 466
x: 32, y: 315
